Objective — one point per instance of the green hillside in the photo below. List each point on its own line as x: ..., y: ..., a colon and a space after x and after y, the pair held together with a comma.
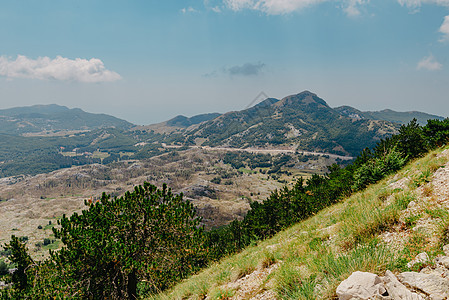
x: 54, y: 118
x: 380, y: 228
x: 37, y: 154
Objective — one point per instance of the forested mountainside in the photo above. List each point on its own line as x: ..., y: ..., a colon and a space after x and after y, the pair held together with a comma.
x: 303, y: 121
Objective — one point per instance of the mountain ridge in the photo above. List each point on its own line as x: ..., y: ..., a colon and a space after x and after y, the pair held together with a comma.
x: 53, y: 118
x: 303, y: 121
x: 183, y: 121
x: 299, y: 122
x: 387, y: 115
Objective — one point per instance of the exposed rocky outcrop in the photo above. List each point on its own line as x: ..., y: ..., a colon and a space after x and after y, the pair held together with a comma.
x: 432, y: 282
x: 361, y: 285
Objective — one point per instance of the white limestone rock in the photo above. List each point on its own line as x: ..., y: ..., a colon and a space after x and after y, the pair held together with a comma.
x: 396, y: 290
x: 437, y: 270
x: 443, y: 261
x: 436, y: 287
x: 361, y: 285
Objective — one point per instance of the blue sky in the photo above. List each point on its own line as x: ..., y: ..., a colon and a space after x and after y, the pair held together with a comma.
x: 147, y: 61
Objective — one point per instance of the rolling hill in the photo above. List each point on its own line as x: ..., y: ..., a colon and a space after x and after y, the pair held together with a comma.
x: 50, y: 119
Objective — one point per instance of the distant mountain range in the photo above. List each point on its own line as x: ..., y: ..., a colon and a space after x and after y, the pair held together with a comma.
x: 302, y: 121
x: 44, y: 138
x: 387, y: 115
x: 182, y: 121
x: 53, y: 118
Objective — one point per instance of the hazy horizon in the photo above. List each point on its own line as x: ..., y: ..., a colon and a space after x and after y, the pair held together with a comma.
x: 252, y: 103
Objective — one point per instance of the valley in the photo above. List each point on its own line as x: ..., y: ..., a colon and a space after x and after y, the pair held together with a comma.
x: 221, y: 192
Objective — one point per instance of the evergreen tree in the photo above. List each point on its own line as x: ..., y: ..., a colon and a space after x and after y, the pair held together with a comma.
x: 437, y: 132
x: 149, y: 234
x: 411, y: 141
x: 22, y: 259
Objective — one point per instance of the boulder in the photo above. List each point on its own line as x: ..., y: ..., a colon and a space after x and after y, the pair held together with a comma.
x: 437, y: 270
x: 396, y: 290
x: 361, y: 285
x: 443, y: 261
x: 431, y: 284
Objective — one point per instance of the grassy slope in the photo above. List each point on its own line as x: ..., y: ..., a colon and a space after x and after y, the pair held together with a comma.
x: 314, y: 256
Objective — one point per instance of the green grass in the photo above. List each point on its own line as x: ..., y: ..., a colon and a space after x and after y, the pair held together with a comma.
x: 410, y: 222
x: 49, y: 226
x: 247, y: 171
x: 52, y: 246
x: 99, y: 154
x: 69, y: 154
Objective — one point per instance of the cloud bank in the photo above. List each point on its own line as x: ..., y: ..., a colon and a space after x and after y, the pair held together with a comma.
x: 416, y: 4
x: 350, y: 7
x: 60, y: 68
x: 429, y: 63
x: 279, y: 7
x: 247, y: 69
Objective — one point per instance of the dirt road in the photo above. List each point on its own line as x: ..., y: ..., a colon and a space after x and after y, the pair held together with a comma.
x: 265, y: 151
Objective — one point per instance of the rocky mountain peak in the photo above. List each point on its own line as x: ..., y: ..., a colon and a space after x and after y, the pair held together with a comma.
x: 267, y: 102
x: 302, y: 99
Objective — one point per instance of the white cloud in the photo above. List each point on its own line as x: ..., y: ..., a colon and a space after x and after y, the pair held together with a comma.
x: 429, y: 63
x: 444, y: 29
x: 240, y: 4
x: 60, y: 68
x: 213, y: 6
x: 188, y: 10
x: 279, y: 7
x: 414, y: 5
x: 352, y: 8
